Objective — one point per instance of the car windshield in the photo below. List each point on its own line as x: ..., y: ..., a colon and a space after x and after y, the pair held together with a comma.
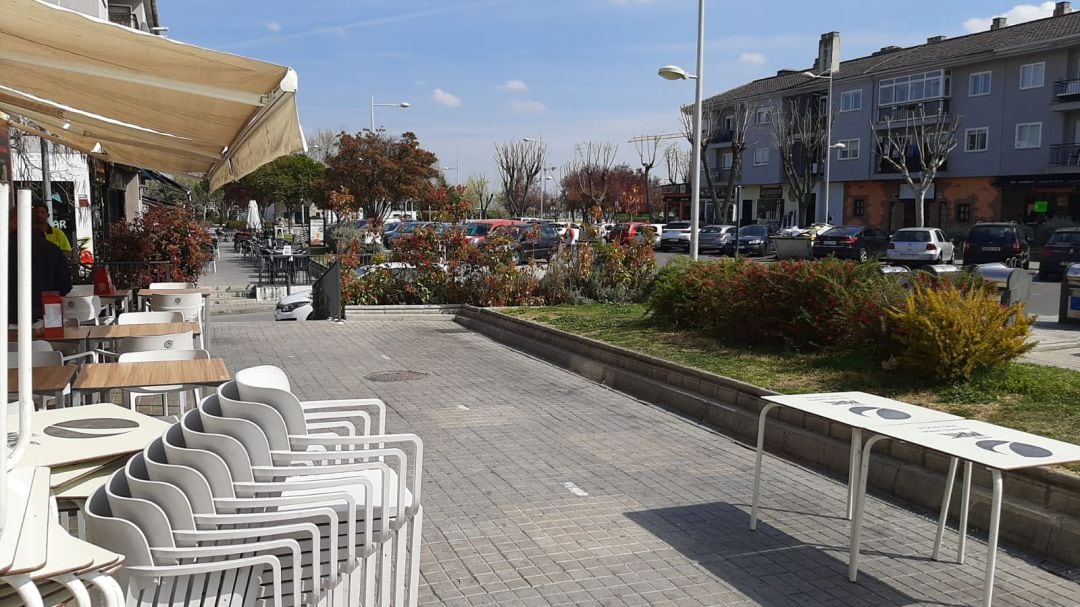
x: 992, y: 234
x: 677, y: 226
x: 477, y: 229
x: 753, y: 231
x: 712, y: 230
x: 1065, y: 238
x: 848, y: 231
x: 912, y: 236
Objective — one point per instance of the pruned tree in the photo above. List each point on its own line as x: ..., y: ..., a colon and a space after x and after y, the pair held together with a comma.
x: 648, y: 147
x: 592, y: 167
x: 917, y: 148
x: 677, y: 160
x: 519, y: 164
x: 800, y: 131
x: 742, y: 113
x: 322, y: 144
x: 710, y: 123
x: 478, y: 189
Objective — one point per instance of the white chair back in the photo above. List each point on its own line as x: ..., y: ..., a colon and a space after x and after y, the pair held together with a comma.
x: 171, y: 341
x: 81, y: 291
x: 160, y: 355
x: 84, y: 309
x: 146, y: 318
x: 172, y: 285
x: 190, y: 304
x: 37, y: 359
x: 38, y: 345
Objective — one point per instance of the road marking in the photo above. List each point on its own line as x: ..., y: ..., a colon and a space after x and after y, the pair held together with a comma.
x: 572, y: 488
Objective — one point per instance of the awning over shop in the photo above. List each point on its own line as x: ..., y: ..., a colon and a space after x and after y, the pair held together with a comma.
x: 1048, y: 180
x: 142, y: 100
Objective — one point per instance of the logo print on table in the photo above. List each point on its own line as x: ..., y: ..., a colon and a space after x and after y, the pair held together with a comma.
x: 100, y: 427
x: 862, y: 409
x: 176, y: 300
x: 168, y: 345
x: 1021, y: 449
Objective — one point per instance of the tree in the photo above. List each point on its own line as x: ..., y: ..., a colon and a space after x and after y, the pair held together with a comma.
x: 710, y: 122
x: 647, y: 146
x: 592, y: 171
x: 519, y: 163
x: 288, y: 183
x: 373, y: 171
x: 740, y: 125
x: 918, y: 149
x: 477, y: 189
x: 322, y: 144
x: 800, y: 130
x: 677, y: 160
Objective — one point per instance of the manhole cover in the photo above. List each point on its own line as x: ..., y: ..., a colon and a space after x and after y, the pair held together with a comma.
x: 389, y: 376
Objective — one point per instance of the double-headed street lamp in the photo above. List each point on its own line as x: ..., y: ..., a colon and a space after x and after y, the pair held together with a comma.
x: 823, y: 213
x: 403, y: 105
x: 673, y: 72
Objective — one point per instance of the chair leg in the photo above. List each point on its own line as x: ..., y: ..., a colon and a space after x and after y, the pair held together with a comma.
x: 133, y: 400
x: 183, y: 402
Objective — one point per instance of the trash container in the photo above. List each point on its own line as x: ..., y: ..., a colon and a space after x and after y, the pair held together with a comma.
x: 1069, y: 306
x: 902, y: 275
x: 1014, y: 284
x: 940, y: 269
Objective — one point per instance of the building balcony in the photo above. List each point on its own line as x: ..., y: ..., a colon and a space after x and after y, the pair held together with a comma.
x: 721, y: 175
x: 1067, y: 155
x: 1066, y: 91
x: 723, y: 136
x: 912, y: 111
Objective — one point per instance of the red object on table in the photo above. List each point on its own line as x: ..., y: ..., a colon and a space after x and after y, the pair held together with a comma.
x: 103, y: 284
x: 52, y: 306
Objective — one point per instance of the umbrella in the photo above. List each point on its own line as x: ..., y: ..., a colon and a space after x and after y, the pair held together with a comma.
x: 254, y: 221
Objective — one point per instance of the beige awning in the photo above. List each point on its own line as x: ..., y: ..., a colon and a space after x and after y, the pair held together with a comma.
x: 142, y: 100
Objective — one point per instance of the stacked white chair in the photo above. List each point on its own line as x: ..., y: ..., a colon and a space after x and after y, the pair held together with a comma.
x: 143, y: 318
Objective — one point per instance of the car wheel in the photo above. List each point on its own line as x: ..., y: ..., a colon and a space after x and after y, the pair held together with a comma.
x: 862, y: 255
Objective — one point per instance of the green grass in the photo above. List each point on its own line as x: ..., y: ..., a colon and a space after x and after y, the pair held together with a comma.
x: 1032, y: 398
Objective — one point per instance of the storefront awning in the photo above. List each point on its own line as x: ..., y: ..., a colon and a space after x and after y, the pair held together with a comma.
x: 142, y: 100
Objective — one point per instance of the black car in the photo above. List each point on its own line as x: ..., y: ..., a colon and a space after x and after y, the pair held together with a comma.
x: 753, y: 240
x: 992, y: 242
x: 1062, y: 249
x: 536, y: 241
x: 861, y: 243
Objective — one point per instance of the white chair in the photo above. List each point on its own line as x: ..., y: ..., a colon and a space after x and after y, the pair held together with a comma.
x: 87, y: 310
x: 190, y: 304
x: 81, y: 291
x: 38, y: 345
x: 146, y: 318
x: 38, y: 359
x: 172, y: 285
x: 148, y: 343
x: 133, y: 394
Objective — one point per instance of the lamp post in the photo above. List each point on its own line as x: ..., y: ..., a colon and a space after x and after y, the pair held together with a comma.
x: 544, y: 177
x: 402, y: 105
x: 673, y: 72
x: 827, y: 75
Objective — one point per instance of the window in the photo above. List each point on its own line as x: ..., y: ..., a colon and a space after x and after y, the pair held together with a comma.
x: 725, y: 160
x: 979, y: 84
x: 850, y: 151
x: 916, y: 87
x: 1032, y: 75
x: 851, y: 101
x: 963, y: 212
x: 976, y: 140
x: 729, y: 123
x: 761, y: 157
x: 1028, y: 135
x: 763, y: 115
x: 859, y: 207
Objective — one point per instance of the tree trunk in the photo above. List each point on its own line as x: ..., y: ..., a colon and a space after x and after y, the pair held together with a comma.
x: 920, y: 208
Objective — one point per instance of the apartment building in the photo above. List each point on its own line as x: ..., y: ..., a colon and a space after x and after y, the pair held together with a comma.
x: 1014, y: 92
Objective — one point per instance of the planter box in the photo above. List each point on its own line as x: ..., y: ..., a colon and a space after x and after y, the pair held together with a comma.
x: 793, y: 248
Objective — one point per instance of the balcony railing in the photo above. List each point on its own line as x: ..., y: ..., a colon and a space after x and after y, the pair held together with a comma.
x: 1067, y: 155
x: 1066, y: 90
x: 723, y: 136
x: 721, y: 176
x: 913, y: 111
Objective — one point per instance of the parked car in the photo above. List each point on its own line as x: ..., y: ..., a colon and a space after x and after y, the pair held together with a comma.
x: 676, y: 235
x: 405, y: 230
x: 920, y: 245
x: 535, y: 241
x: 991, y: 242
x: 479, y: 229
x: 714, y: 237
x: 625, y: 233
x: 753, y: 239
x: 860, y: 243
x: 1062, y: 249
x: 654, y: 230
x: 569, y: 232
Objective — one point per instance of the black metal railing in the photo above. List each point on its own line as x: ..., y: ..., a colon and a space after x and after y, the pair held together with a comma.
x: 1066, y: 90
x: 326, y: 302
x: 723, y: 136
x: 913, y: 111
x: 1067, y: 155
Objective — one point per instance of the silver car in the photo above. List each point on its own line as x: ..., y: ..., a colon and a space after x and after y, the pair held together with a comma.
x: 920, y: 245
x: 676, y: 235
x: 714, y: 237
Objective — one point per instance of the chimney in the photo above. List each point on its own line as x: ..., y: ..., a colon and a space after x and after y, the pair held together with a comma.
x: 828, y: 53
x: 935, y: 39
x: 1062, y: 8
x: 999, y: 22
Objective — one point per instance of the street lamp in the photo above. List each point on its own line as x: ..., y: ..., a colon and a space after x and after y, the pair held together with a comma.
x: 403, y: 105
x: 674, y: 72
x: 827, y: 75
x: 457, y: 177
x: 540, y: 141
x: 543, y: 183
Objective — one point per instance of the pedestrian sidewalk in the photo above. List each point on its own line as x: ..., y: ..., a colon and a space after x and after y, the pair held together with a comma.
x: 1057, y: 344
x: 232, y: 283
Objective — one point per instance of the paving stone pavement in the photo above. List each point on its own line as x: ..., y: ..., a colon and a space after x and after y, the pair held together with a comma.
x: 542, y: 488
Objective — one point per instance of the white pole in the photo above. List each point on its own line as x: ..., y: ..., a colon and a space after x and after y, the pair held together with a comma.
x: 823, y: 213
x: 26, y: 373
x: 5, y: 244
x: 373, y: 114
x: 695, y: 169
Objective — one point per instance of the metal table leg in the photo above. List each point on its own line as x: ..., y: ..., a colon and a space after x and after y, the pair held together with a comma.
x: 757, y: 462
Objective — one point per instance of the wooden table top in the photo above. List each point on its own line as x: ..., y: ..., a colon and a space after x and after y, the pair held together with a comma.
x: 46, y: 379
x: 70, y: 334
x: 143, y: 330
x: 161, y: 373
x: 204, y: 291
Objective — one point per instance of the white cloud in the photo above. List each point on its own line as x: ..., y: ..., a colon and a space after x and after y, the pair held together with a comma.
x: 273, y: 27
x: 752, y: 58
x: 513, y: 86
x: 527, y: 107
x: 443, y: 98
x: 1017, y: 14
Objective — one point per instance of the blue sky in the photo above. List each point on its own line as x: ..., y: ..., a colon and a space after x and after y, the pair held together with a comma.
x: 478, y: 72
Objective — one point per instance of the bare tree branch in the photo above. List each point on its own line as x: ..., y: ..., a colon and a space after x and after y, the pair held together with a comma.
x: 519, y: 164
x: 647, y: 148
x: 593, y: 168
x: 709, y: 128
x: 801, y: 134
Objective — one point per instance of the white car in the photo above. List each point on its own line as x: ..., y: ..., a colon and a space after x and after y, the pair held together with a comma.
x: 294, y: 307
x: 676, y: 235
x: 562, y: 226
x: 920, y: 245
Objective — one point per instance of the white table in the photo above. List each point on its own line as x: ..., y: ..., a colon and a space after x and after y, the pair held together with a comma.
x: 997, y: 448
x: 859, y: 410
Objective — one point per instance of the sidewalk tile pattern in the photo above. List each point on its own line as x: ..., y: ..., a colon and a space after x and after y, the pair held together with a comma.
x: 543, y: 489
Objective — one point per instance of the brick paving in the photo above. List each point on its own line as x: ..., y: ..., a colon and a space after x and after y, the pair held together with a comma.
x: 542, y: 488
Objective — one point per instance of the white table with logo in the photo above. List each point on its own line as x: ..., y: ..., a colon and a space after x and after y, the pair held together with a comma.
x: 999, y: 449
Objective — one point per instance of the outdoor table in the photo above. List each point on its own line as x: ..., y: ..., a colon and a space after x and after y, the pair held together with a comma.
x: 71, y: 334
x: 999, y: 449
x: 107, y: 332
x: 26, y: 526
x: 79, y: 489
x: 106, y: 376
x: 50, y: 381
x: 858, y: 410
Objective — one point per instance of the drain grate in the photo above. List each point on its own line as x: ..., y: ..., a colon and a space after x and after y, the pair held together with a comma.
x: 392, y: 376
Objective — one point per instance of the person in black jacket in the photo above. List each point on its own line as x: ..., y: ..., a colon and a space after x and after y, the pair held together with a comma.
x: 49, y: 270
